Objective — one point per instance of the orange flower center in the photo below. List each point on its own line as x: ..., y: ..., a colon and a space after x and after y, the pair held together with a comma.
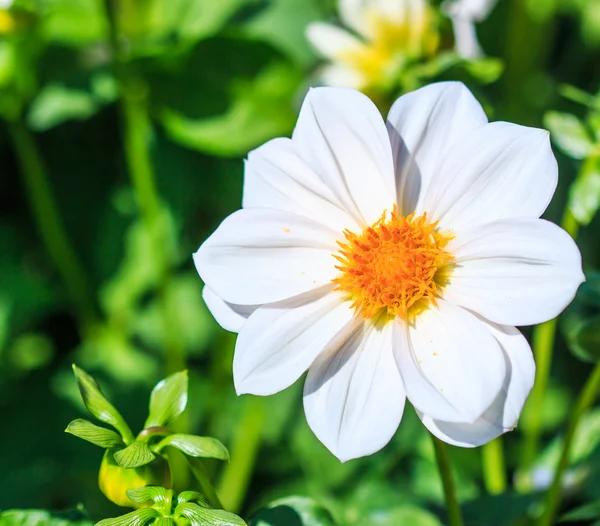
x: 394, y: 266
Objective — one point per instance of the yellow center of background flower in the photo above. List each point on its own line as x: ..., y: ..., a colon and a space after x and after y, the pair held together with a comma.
x: 391, y: 44
x: 393, y: 266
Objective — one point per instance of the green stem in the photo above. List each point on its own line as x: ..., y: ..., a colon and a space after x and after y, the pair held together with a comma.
x: 49, y: 223
x: 443, y: 462
x: 203, y: 479
x: 529, y: 38
x: 542, y: 345
x: 543, y: 338
x: 585, y: 400
x: 137, y: 131
x: 494, y: 469
x: 246, y: 442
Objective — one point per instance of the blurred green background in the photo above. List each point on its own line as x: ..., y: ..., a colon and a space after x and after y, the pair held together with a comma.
x: 124, y: 128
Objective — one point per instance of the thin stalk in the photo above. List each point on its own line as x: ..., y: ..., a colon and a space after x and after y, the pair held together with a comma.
x: 49, y: 223
x: 585, y: 400
x: 528, y: 43
x: 543, y: 338
x: 443, y: 462
x: 494, y: 469
x: 137, y: 130
x: 246, y: 443
x: 542, y: 344
x: 203, y: 479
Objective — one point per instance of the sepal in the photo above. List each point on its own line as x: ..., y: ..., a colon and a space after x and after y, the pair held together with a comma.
x: 195, y: 446
x: 98, y: 405
x: 99, y: 436
x: 199, y: 516
x: 135, y: 455
x: 168, y: 400
x: 135, y: 518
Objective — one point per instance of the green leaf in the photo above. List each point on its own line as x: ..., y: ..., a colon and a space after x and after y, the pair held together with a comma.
x: 584, y: 338
x: 141, y: 495
x: 135, y: 518
x: 507, y: 509
x: 282, y: 23
x: 590, y: 23
x: 190, y: 496
x: 99, y: 436
x: 203, y: 19
x: 98, y: 405
x: 485, y: 70
x: 580, y: 323
x: 56, y: 104
x: 29, y: 352
x: 301, y: 511
x: 168, y: 400
x: 576, y: 95
x: 585, y: 440
x: 136, y: 455
x: 207, y: 517
x: 584, y: 194
x: 582, y: 513
x: 406, y: 514
x: 183, y: 297
x: 260, y: 111
x: 434, y: 67
x: 163, y: 521
x: 569, y: 133
x: 195, y: 446
x: 73, y: 22
x: 42, y: 517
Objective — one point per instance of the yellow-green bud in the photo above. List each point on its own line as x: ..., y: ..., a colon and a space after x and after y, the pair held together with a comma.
x: 114, y: 481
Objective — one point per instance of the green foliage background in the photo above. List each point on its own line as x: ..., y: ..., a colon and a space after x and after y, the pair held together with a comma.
x: 217, y: 79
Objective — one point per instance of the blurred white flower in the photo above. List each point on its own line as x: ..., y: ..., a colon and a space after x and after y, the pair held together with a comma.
x: 385, y: 34
x: 7, y: 20
x: 464, y: 14
x: 392, y: 262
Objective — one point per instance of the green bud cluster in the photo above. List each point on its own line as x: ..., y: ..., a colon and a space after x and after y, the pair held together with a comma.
x: 130, y: 461
x: 161, y: 507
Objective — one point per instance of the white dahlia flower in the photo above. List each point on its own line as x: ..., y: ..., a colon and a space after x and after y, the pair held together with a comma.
x: 383, y: 36
x: 393, y: 261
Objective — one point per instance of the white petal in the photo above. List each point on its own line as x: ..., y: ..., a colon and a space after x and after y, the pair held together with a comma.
x: 423, y: 126
x: 281, y: 340
x: 341, y: 76
x: 341, y: 135
x: 515, y: 271
x: 228, y: 315
x: 260, y: 255
x: 331, y: 41
x: 411, y: 12
x: 354, y: 14
x: 353, y: 396
x: 465, y: 39
x: 477, y: 10
x: 499, y: 171
x: 276, y: 177
x: 503, y: 414
x: 452, y: 366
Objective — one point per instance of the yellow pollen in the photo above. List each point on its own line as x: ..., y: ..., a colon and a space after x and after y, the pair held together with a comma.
x: 393, y: 267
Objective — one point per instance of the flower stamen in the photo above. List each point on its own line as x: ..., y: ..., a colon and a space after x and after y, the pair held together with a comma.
x: 393, y: 267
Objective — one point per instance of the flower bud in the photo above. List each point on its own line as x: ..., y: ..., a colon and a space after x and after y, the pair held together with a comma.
x: 114, y: 480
